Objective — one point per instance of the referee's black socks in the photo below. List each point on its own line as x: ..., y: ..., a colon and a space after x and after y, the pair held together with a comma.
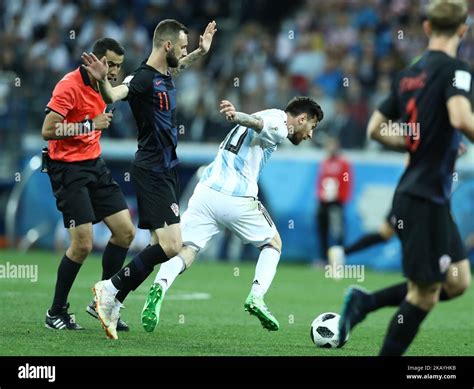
x: 112, y: 260
x: 402, y: 329
x: 67, y: 272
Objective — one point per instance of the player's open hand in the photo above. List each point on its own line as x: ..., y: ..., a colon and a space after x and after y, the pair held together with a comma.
x: 205, y: 39
x: 228, y: 110
x: 98, y: 69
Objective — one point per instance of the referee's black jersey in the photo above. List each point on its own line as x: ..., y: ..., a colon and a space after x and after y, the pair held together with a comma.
x: 152, y: 98
x: 418, y: 99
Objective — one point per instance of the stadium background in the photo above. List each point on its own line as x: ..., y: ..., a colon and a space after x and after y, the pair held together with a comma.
x: 263, y: 54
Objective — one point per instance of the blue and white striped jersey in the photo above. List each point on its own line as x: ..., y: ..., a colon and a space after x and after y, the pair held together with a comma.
x: 243, y: 154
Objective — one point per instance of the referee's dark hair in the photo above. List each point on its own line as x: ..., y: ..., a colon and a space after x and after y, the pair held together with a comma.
x: 303, y: 104
x: 102, y: 45
x: 168, y: 29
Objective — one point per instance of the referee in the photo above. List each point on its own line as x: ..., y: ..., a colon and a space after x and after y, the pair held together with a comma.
x: 151, y: 93
x: 82, y: 184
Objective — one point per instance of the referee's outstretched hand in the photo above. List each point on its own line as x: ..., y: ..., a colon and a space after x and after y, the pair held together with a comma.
x: 102, y: 121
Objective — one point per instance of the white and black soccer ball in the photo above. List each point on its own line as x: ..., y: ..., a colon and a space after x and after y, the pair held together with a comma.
x: 325, y: 330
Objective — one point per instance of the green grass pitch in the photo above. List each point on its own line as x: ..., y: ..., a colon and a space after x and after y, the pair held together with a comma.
x: 203, y: 314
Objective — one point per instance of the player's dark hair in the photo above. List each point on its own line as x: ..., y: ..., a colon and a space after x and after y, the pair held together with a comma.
x: 168, y: 29
x: 446, y: 16
x: 303, y: 104
x: 102, y: 45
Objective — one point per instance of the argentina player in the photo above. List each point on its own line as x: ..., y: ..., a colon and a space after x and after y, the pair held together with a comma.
x: 226, y: 197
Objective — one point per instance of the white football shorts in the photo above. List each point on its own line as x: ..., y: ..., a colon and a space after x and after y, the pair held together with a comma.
x: 210, y: 211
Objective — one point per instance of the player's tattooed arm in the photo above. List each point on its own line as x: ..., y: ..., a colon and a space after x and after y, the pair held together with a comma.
x: 205, y: 41
x: 250, y: 121
x: 246, y: 120
x: 186, y: 62
x: 377, y: 130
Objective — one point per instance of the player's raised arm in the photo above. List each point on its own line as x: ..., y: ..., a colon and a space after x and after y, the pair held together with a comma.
x: 375, y: 131
x: 98, y: 70
x: 205, y: 41
x: 461, y: 115
x: 246, y: 120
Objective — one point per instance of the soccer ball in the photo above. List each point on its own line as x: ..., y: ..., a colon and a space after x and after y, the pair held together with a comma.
x: 325, y: 330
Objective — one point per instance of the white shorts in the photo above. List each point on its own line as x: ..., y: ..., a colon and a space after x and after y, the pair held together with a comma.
x: 210, y: 211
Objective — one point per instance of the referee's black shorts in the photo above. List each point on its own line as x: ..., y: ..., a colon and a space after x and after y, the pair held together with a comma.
x: 157, y: 197
x: 85, y: 191
x: 429, y: 236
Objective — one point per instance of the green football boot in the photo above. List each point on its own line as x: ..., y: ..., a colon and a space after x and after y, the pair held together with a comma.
x: 151, y: 309
x: 256, y: 306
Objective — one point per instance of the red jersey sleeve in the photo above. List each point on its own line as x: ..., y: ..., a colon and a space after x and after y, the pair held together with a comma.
x: 63, y: 99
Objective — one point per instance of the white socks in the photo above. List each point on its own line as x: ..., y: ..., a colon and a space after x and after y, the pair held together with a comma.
x: 265, y: 271
x: 168, y: 272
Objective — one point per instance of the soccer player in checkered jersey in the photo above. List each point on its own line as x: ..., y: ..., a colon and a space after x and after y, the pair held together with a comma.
x: 432, y: 96
x: 151, y: 93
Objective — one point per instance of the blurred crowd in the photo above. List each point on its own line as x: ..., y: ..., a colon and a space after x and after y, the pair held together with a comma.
x: 342, y: 52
